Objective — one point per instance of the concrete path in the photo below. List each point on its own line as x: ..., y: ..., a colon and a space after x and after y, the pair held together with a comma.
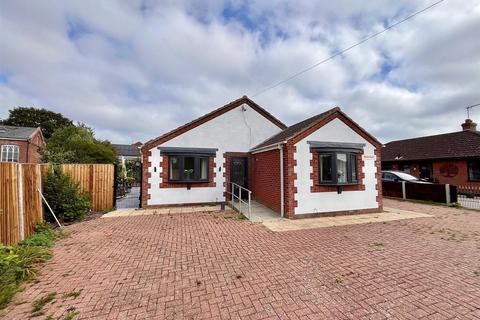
x: 131, y: 199
x: 259, y: 212
x: 389, y: 214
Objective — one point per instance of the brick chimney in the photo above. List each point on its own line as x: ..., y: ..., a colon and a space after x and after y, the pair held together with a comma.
x: 469, y: 125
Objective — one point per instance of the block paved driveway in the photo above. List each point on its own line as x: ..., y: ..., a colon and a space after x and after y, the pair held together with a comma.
x: 208, y: 266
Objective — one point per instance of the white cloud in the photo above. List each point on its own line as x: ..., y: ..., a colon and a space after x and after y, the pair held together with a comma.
x: 135, y: 69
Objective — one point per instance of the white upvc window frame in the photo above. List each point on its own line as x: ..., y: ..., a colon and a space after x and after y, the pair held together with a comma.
x: 10, y: 153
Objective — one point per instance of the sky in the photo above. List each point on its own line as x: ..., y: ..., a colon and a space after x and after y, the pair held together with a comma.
x: 133, y: 70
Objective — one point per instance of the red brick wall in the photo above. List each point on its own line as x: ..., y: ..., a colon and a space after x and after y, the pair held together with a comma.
x: 460, y: 179
x: 266, y: 183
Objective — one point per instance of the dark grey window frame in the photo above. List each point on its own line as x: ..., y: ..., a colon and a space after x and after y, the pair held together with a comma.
x: 181, y: 169
x: 333, y: 148
x: 182, y: 153
x: 350, y: 179
x: 469, y: 161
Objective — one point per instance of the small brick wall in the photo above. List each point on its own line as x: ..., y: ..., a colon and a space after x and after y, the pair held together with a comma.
x: 266, y: 181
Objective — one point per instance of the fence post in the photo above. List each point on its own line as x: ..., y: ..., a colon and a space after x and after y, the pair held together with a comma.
x: 447, y: 194
x: 21, y: 222
x: 404, y: 191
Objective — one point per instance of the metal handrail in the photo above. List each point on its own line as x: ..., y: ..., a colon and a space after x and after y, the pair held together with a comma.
x: 240, y: 200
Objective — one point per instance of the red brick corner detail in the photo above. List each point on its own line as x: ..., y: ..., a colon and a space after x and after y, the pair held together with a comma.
x: 145, y: 177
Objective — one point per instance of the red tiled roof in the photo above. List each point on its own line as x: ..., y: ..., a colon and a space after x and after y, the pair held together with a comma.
x: 303, y: 126
x: 463, y: 144
x: 295, y: 129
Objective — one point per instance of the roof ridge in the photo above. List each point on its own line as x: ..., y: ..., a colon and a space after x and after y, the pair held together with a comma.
x: 9, y: 126
x: 433, y: 135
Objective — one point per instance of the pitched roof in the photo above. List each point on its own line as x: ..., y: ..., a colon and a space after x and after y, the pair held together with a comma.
x: 295, y: 129
x: 10, y: 132
x: 462, y: 144
x: 215, y: 113
x: 127, y: 150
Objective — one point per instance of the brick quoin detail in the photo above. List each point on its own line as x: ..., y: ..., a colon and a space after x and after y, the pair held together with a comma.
x: 167, y: 184
x: 290, y: 177
x: 378, y: 175
x: 266, y: 184
x: 314, y: 176
x: 146, y: 176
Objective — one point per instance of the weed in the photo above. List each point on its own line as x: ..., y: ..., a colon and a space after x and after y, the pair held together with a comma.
x: 71, y: 314
x: 338, y: 280
x: 38, y: 304
x: 73, y: 294
x: 49, y: 317
x: 239, y: 276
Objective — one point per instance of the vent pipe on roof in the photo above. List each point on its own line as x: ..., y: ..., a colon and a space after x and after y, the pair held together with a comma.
x: 469, y: 125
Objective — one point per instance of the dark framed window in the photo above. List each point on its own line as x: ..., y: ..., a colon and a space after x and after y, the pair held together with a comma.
x: 187, y: 168
x: 474, y: 170
x: 337, y: 168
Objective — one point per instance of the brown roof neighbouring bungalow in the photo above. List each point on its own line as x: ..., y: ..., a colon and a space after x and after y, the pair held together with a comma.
x: 462, y: 144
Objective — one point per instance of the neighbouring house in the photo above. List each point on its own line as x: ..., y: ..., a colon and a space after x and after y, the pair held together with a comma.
x: 20, y: 144
x: 326, y: 164
x: 450, y: 158
x: 126, y: 152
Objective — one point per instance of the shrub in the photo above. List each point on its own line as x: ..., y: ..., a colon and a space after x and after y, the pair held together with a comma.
x: 64, y: 197
x: 19, y: 263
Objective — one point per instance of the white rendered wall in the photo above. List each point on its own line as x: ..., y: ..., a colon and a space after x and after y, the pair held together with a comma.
x: 233, y: 131
x: 313, y: 202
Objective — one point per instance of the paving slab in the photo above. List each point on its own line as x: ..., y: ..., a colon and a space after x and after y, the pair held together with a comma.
x: 389, y: 214
x: 160, y: 211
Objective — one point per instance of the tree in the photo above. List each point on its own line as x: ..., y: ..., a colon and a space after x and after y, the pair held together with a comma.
x: 47, y: 120
x: 77, y: 144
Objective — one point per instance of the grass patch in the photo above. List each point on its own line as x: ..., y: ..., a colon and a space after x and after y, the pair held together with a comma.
x: 73, y: 294
x: 70, y: 315
x: 38, y: 304
x: 19, y: 263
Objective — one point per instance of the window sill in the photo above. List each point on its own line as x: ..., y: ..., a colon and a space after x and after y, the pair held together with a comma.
x: 188, y: 181
x: 336, y: 184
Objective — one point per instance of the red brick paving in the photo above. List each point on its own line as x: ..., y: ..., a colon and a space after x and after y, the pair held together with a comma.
x: 204, y: 266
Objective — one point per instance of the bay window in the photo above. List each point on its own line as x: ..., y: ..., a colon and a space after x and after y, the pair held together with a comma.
x: 337, y: 162
x: 337, y: 168
x: 187, y: 165
x: 188, y: 168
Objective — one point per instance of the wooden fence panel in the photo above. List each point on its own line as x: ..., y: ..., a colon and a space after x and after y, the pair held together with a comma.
x: 21, y: 206
x: 32, y: 202
x: 94, y: 179
x: 9, y: 224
